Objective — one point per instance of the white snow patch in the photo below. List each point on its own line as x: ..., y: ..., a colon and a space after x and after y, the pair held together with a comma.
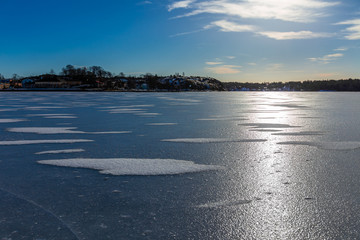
x: 60, y: 117
x: 44, y: 130
x: 25, y: 142
x: 326, y: 145
x: 11, y: 120
x: 61, y: 151
x: 58, y: 130
x: 133, y: 166
x: 211, y: 140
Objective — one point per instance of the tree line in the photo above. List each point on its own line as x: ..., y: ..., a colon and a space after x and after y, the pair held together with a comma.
x: 309, y: 85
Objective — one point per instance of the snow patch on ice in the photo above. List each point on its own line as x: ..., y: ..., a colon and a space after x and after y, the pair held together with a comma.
x: 211, y: 140
x: 58, y: 130
x: 25, y: 142
x: 60, y: 117
x: 133, y: 166
x: 161, y: 124
x: 349, y: 145
x: 44, y: 130
x: 11, y: 120
x: 61, y: 151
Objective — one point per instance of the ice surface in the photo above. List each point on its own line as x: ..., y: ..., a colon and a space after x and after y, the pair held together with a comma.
x: 49, y: 114
x: 11, y: 120
x: 133, y: 166
x: 161, y: 124
x: 211, y: 140
x: 223, y: 119
x: 303, y: 133
x: 224, y: 204
x: 268, y: 125
x: 44, y: 130
x: 326, y: 145
x: 24, y: 142
x: 58, y: 130
x: 61, y: 151
x: 60, y: 117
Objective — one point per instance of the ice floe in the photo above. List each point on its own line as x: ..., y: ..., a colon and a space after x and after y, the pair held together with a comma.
x: 211, y: 140
x: 61, y: 151
x: 133, y: 166
x: 11, y: 120
x: 25, y: 142
x: 350, y: 145
x: 58, y: 130
x: 224, y: 204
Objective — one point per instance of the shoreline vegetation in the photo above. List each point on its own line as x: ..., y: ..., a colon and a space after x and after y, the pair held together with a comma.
x: 95, y: 78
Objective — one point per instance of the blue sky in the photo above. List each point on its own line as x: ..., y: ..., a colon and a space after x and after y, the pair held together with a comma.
x: 232, y: 40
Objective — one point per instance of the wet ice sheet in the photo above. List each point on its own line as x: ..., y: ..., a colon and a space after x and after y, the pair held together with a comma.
x: 133, y: 166
x: 61, y: 151
x: 25, y: 142
x: 58, y: 130
x: 268, y: 125
x: 326, y: 145
x: 302, y: 133
x: 224, y: 204
x: 211, y: 140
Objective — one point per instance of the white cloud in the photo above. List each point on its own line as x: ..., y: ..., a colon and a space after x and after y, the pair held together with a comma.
x: 252, y: 64
x: 225, y: 69
x: 341, y: 49
x: 213, y: 63
x: 226, y: 26
x: 327, y: 58
x: 231, y: 57
x: 285, y: 10
x: 354, y: 30
x: 295, y: 35
x: 180, y: 4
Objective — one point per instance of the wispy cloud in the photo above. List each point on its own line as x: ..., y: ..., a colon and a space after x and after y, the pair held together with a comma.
x: 327, y: 58
x: 213, y: 63
x: 180, y: 4
x: 295, y: 35
x: 285, y: 10
x: 144, y: 3
x: 225, y: 69
x: 226, y: 26
x: 274, y: 67
x: 353, y: 31
x: 341, y: 49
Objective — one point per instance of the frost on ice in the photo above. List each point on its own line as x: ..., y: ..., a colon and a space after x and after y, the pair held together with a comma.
x: 133, y: 166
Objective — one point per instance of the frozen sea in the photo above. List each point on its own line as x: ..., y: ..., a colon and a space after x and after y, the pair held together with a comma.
x: 221, y: 165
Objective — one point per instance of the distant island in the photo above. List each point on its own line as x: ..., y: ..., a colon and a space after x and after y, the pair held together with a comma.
x: 95, y: 78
